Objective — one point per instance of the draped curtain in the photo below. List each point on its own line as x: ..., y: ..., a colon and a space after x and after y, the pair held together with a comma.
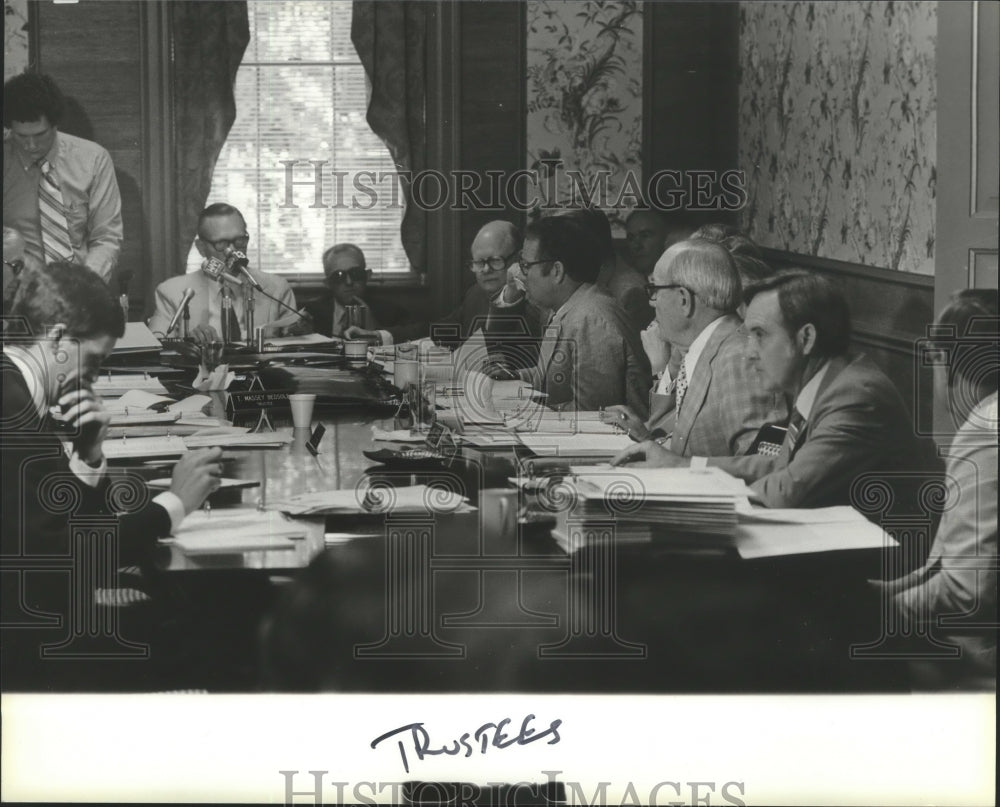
x: 209, y: 39
x: 390, y: 36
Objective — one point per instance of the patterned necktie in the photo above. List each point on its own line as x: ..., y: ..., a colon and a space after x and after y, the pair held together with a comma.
x: 681, y: 388
x: 795, y: 425
x: 56, y: 244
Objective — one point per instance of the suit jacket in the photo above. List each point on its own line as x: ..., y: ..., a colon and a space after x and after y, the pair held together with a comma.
x: 511, y: 332
x: 959, y: 577
x: 591, y: 356
x: 205, y: 306
x: 858, y: 424
x: 727, y: 401
x: 380, y: 314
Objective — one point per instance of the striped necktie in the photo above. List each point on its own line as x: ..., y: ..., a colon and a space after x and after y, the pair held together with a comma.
x: 56, y: 244
x: 795, y: 426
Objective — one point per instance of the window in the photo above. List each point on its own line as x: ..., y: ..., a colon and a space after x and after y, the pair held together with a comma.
x: 301, y: 96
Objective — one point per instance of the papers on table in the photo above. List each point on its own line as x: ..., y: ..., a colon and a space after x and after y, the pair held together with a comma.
x: 549, y: 422
x: 237, y: 530
x: 570, y: 445
x: 142, y: 417
x: 766, y: 533
x: 191, y: 404
x: 375, y: 499
x: 398, y: 435
x: 224, y: 483
x: 305, y: 339
x: 141, y: 447
x: 228, y: 439
x: 114, y: 385
x: 137, y: 400
x: 136, y: 339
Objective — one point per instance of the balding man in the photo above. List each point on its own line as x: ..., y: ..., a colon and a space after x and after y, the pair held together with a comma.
x: 496, y: 303
x: 716, y: 403
x: 15, y: 260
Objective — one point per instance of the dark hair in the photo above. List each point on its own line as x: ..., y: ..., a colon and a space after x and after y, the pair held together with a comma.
x: 969, y: 328
x: 594, y: 222
x: 804, y: 298
x: 339, y: 249
x: 31, y: 96
x: 217, y: 210
x: 565, y: 239
x: 70, y: 294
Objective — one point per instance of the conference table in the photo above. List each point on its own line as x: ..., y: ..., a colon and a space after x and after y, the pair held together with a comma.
x: 455, y: 601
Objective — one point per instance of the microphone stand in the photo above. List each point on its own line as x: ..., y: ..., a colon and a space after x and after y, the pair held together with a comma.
x: 186, y: 322
x: 249, y: 304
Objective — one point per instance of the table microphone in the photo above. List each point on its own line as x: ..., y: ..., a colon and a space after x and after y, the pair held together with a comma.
x: 240, y: 262
x: 185, y: 302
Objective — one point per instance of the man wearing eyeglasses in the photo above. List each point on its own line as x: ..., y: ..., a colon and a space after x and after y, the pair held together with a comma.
x: 347, y: 277
x: 15, y: 261
x: 221, y: 230
x: 497, y: 304
x: 591, y: 356
x: 714, y: 402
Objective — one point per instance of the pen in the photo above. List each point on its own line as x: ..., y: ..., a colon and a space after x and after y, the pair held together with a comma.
x: 207, y: 508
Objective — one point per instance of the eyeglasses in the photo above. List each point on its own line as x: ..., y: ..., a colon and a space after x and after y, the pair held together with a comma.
x: 497, y: 263
x: 526, y: 265
x: 357, y: 274
x: 15, y: 266
x: 652, y: 288
x: 240, y: 243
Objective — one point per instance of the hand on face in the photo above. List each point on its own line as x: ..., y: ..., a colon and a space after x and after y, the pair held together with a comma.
x: 86, y: 416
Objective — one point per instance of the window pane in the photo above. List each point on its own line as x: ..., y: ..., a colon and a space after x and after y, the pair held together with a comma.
x: 307, y: 113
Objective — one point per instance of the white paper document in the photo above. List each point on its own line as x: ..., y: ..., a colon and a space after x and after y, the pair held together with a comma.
x: 238, y: 530
x: 569, y: 445
x: 137, y: 338
x: 141, y: 447
x: 681, y: 483
x: 412, y: 499
x: 210, y: 438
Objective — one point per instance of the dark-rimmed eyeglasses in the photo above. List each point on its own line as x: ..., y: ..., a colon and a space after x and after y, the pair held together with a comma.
x: 240, y: 243
x: 357, y: 274
x: 496, y: 263
x: 16, y: 266
x: 526, y: 265
x: 653, y: 288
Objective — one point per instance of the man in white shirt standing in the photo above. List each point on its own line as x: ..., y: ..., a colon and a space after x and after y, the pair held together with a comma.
x: 713, y: 402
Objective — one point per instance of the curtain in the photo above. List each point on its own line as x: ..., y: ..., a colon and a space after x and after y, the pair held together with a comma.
x: 389, y: 36
x: 209, y: 39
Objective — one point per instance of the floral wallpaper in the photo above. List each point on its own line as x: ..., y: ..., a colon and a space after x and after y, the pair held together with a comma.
x: 838, y: 129
x: 15, y: 37
x: 584, y: 95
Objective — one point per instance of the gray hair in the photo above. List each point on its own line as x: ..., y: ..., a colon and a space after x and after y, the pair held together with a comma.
x: 708, y: 270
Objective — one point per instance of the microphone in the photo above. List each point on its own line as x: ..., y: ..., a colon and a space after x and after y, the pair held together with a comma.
x: 216, y: 270
x: 240, y: 262
x: 185, y: 302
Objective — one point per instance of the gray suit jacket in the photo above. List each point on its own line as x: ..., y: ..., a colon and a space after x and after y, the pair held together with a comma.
x: 205, y: 307
x: 591, y: 356
x: 858, y: 424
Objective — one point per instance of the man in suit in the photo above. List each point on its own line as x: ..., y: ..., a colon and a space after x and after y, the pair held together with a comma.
x: 222, y: 237
x: 848, y: 418
x: 73, y: 323
x: 591, y: 356
x: 496, y: 303
x: 958, y: 581
x: 714, y: 403
x: 347, y: 277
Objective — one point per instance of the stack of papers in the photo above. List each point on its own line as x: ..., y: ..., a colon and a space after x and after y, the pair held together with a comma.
x: 373, y: 500
x: 549, y: 422
x: 764, y: 533
x: 576, y: 445
x: 136, y: 339
x: 237, y: 530
x: 114, y: 385
x: 650, y: 504
x: 133, y: 448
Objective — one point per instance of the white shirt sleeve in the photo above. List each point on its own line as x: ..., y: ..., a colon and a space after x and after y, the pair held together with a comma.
x: 88, y: 474
x: 171, y: 502
x: 385, y: 336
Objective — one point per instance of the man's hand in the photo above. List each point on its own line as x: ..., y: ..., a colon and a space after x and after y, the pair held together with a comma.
x: 627, y: 419
x: 196, y: 475
x: 301, y: 326
x: 653, y: 454
x: 86, y: 416
x: 354, y: 332
x: 203, y: 334
x: 513, y: 291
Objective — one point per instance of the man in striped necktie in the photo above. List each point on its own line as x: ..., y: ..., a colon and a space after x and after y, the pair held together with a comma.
x: 59, y: 191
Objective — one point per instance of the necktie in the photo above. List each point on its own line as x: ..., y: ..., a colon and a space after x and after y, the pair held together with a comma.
x: 234, y: 326
x: 681, y: 388
x: 339, y: 320
x: 56, y: 244
x: 795, y: 425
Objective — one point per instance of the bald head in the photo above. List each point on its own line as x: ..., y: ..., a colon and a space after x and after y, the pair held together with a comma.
x: 494, y: 249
